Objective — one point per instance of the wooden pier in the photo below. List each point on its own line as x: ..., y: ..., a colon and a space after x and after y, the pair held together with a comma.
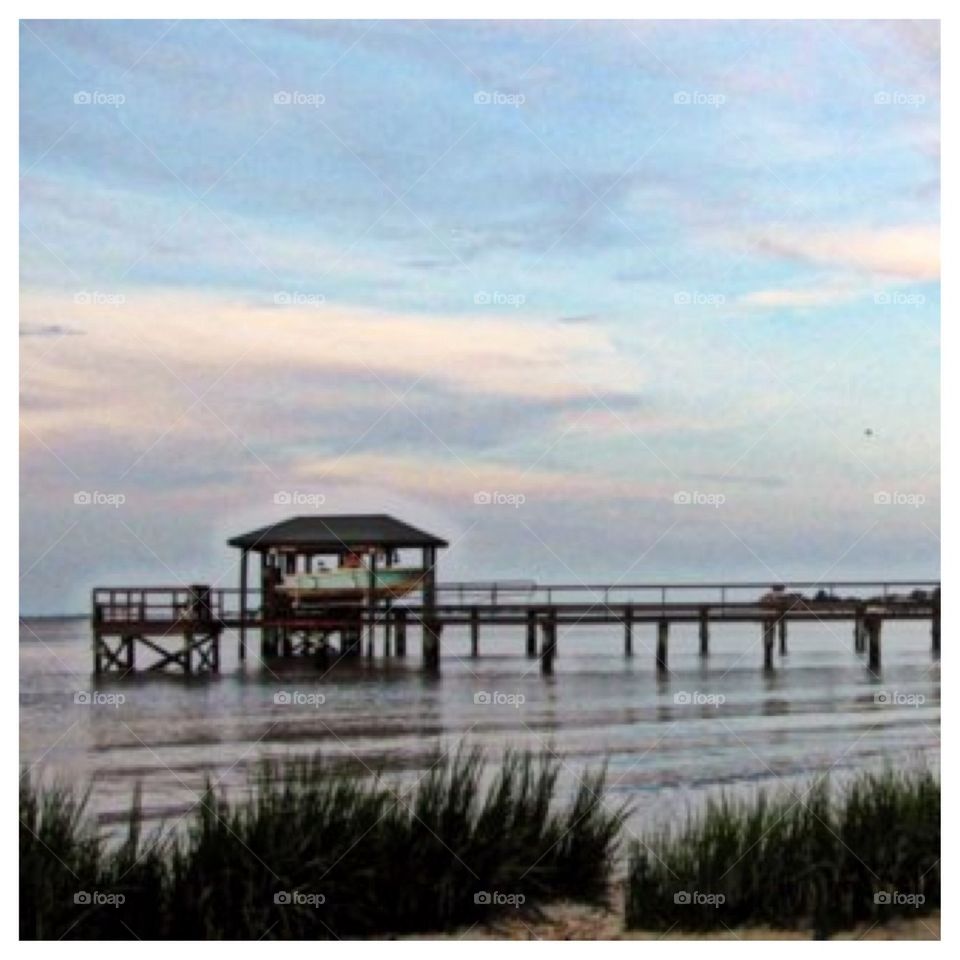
x: 303, y: 608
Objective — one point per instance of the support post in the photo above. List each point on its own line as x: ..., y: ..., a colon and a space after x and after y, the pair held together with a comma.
x: 769, y: 630
x: 243, y: 604
x: 474, y: 632
x: 873, y: 624
x: 859, y: 632
x: 401, y: 632
x: 531, y: 633
x: 130, y: 642
x: 663, y: 630
x: 431, y: 629
x: 704, y: 632
x: 548, y: 627
x: 935, y: 632
x: 372, y: 605
x: 628, y: 632
x: 782, y: 633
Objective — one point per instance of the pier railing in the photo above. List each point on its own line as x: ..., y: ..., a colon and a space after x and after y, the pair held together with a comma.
x: 184, y: 603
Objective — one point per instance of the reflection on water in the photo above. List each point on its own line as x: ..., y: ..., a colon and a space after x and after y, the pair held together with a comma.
x: 668, y: 742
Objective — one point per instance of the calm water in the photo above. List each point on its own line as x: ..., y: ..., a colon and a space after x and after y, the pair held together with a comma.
x: 741, y: 730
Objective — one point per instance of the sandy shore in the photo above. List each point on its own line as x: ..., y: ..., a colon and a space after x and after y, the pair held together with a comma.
x: 571, y: 921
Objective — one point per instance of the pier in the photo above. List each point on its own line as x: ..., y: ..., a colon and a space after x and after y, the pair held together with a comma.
x: 304, y: 608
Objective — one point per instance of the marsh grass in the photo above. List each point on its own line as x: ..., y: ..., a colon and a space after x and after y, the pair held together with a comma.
x: 314, y: 854
x: 802, y: 859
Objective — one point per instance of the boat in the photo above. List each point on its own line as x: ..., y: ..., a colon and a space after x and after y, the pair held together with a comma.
x: 349, y: 583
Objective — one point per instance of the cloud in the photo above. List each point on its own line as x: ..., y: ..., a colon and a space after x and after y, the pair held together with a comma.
x: 909, y: 252
x: 793, y: 298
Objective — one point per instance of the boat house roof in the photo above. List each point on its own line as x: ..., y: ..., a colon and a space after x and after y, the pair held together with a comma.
x: 337, y: 532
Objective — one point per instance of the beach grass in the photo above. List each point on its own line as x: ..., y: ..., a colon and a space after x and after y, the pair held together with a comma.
x: 310, y: 853
x: 800, y: 859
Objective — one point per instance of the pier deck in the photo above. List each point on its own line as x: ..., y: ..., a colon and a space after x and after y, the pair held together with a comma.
x: 194, y: 618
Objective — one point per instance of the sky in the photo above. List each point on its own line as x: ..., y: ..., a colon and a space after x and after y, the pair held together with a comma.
x: 594, y: 301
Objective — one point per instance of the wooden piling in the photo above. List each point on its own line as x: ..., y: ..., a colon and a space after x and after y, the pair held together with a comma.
x: 431, y: 645
x: 704, y: 632
x: 474, y: 632
x: 548, y: 627
x: 935, y: 632
x: 663, y: 629
x: 400, y: 631
x: 769, y: 631
x: 782, y: 633
x: 873, y: 624
x: 531, y: 633
x: 628, y: 632
x: 859, y: 632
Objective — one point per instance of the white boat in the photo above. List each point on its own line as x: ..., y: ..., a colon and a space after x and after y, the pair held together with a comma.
x: 343, y: 583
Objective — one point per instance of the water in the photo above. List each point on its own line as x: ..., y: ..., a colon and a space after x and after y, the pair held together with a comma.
x: 739, y: 730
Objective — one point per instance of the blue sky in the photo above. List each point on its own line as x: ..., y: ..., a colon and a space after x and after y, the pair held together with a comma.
x: 390, y: 266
